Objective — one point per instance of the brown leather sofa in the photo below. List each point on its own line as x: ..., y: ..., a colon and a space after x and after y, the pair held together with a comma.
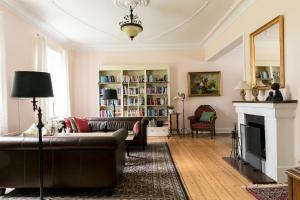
x: 111, y: 124
x: 72, y: 161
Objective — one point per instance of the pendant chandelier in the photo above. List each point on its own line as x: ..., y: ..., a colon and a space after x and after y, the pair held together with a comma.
x: 131, y: 25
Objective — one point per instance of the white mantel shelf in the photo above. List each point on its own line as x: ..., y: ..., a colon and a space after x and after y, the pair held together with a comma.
x: 279, y: 134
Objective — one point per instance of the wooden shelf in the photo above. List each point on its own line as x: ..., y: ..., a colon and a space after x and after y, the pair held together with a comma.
x: 125, y: 82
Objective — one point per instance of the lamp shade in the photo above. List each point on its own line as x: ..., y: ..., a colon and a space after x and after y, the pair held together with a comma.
x: 242, y: 85
x: 28, y: 84
x: 110, y: 94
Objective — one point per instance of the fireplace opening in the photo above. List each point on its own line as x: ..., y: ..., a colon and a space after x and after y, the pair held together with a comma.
x: 253, y: 132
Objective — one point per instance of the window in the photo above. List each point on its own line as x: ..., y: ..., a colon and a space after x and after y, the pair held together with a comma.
x: 58, y: 68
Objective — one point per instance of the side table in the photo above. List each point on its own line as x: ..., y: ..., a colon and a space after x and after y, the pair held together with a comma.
x: 293, y: 183
x: 177, y: 124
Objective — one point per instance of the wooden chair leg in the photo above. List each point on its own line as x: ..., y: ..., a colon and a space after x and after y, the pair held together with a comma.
x: 192, y: 133
x: 211, y: 134
x: 197, y: 132
x: 214, y: 132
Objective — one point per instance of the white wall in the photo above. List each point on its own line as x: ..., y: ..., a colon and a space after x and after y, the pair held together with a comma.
x: 85, y: 77
x: 20, y: 54
x: 258, y: 14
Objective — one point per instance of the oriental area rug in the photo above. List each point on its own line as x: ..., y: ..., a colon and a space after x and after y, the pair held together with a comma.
x: 269, y: 191
x: 148, y: 174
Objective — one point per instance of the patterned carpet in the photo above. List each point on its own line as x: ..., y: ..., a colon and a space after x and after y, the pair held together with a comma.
x: 269, y: 192
x: 149, y: 174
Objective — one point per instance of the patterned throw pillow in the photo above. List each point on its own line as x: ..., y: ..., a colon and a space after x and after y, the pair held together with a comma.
x: 82, y: 125
x: 73, y: 124
x: 68, y: 125
x: 206, y: 116
x: 136, y: 128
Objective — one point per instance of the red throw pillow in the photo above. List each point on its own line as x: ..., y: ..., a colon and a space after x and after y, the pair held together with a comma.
x: 82, y: 124
x: 68, y: 125
x: 136, y: 128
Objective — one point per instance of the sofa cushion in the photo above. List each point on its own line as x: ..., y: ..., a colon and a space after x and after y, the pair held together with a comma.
x: 201, y: 125
x: 68, y: 125
x: 116, y: 125
x: 73, y: 124
x: 82, y: 125
x: 136, y: 128
x: 97, y: 125
x: 206, y: 116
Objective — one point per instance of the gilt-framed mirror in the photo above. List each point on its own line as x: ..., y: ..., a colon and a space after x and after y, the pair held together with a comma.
x: 267, y: 54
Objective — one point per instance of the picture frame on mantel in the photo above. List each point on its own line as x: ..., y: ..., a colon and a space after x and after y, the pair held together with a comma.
x: 202, y: 84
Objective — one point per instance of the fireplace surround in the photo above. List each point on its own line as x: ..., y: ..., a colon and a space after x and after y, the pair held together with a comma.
x: 276, y: 122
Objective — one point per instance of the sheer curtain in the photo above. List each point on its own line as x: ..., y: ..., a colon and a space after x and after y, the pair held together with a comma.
x: 57, y: 62
x: 41, y: 65
x: 3, y: 90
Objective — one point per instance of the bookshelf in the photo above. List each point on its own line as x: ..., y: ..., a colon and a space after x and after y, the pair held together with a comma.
x: 143, y: 90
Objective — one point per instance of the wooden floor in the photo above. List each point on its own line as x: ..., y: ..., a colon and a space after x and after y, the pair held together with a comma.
x: 205, y: 174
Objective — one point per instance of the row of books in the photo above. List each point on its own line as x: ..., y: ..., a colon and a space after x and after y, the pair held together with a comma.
x: 108, y: 113
x: 134, y: 101
x: 133, y: 91
x: 109, y: 79
x: 133, y: 78
x: 134, y: 112
x: 153, y: 78
x: 157, y: 112
x: 157, y: 90
x: 110, y: 102
x: 157, y: 101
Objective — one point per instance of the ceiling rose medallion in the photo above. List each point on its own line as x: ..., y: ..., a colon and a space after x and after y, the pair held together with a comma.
x: 126, y: 4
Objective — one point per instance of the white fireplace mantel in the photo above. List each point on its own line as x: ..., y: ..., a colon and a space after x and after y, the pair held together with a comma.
x: 279, y: 134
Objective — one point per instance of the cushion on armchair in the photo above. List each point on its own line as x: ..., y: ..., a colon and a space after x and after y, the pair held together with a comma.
x: 206, y: 116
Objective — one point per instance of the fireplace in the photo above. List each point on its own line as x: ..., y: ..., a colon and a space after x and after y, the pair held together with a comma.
x: 253, y: 134
x: 267, y: 139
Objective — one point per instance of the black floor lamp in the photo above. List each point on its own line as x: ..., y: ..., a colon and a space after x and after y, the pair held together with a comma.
x: 30, y: 84
x: 111, y: 94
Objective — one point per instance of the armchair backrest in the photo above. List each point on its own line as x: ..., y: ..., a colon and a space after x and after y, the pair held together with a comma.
x: 204, y: 108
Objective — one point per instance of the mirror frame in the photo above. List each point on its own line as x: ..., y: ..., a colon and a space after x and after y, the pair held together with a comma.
x: 278, y: 20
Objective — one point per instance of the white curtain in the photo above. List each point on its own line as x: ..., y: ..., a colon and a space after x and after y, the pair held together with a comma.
x: 41, y: 65
x: 58, y: 68
x: 3, y: 88
x: 66, y: 65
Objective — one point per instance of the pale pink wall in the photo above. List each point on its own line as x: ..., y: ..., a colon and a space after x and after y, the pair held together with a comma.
x: 261, y: 12
x: 20, y: 51
x: 85, y: 78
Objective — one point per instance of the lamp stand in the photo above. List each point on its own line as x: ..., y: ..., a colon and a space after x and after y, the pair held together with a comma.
x: 183, y: 118
x: 114, y: 108
x: 40, y: 125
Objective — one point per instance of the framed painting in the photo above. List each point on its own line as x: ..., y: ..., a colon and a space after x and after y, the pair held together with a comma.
x: 204, y: 84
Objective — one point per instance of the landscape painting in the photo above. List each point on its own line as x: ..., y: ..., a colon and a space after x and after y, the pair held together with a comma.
x: 204, y: 83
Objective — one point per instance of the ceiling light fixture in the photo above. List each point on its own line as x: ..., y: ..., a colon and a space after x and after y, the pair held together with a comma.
x: 131, y: 25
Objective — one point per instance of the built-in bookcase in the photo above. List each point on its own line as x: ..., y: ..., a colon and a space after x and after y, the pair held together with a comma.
x: 142, y: 91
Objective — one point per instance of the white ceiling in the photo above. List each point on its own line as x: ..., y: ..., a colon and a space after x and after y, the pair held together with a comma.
x: 95, y: 23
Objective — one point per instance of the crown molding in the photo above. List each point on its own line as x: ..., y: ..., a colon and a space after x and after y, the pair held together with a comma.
x: 235, y: 11
x: 230, y: 16
x: 134, y: 47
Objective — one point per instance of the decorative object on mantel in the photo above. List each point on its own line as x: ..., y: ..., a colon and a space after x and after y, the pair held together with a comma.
x: 270, y: 97
x: 255, y: 92
x: 278, y: 96
x: 181, y: 97
x: 243, y: 86
x: 204, y: 83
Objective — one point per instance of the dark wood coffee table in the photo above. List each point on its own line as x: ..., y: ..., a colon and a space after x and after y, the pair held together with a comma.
x: 128, y: 142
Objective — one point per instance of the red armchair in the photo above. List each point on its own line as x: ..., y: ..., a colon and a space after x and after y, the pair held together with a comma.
x: 197, y: 125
